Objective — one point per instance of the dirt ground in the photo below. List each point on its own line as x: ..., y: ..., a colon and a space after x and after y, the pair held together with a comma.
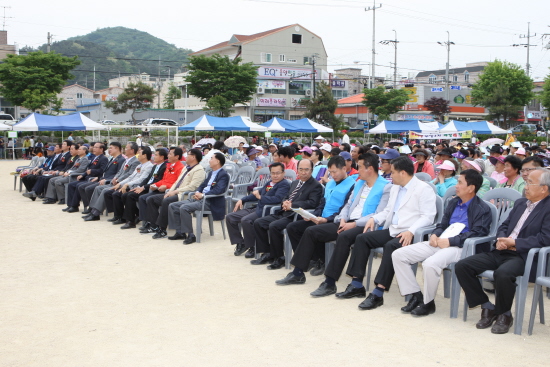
x: 74, y: 293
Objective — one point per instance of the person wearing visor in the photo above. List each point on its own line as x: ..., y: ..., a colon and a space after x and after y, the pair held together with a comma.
x: 446, y: 177
x: 422, y: 163
x: 470, y: 163
x: 498, y: 164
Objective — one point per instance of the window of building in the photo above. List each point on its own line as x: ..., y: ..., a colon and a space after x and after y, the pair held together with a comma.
x: 292, y: 61
x: 265, y: 57
x: 79, y: 95
x: 442, y: 78
x: 466, y: 76
x: 281, y: 58
x: 298, y: 87
x: 339, y: 93
x: 432, y: 79
x: 297, y: 38
x: 455, y: 78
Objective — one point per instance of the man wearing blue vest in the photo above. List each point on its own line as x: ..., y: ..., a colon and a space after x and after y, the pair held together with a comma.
x: 370, y: 195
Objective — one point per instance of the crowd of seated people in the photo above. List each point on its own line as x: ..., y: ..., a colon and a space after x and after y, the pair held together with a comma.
x: 361, y: 198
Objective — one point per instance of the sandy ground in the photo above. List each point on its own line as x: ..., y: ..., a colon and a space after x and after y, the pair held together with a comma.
x: 88, y: 294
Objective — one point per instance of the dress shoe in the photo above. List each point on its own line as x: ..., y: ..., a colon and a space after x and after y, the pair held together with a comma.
x: 128, y: 225
x: 414, y: 302
x: 161, y: 233
x: 503, y: 324
x: 45, y: 199
x: 61, y: 202
x: 372, y: 302
x: 73, y: 209
x: 92, y: 218
x: 318, y: 269
x: 190, y: 239
x: 113, y: 219
x: 487, y: 318
x: 250, y: 253
x: 352, y: 292
x: 87, y: 216
x: 119, y: 221
x: 291, y: 278
x: 145, y: 225
x: 239, y: 249
x: 87, y: 211
x: 149, y: 230
x: 30, y: 194
x: 424, y: 309
x: 277, y: 264
x: 264, y: 259
x: 177, y: 236
x: 324, y: 290
x: 49, y: 201
x: 312, y: 264
x: 66, y: 209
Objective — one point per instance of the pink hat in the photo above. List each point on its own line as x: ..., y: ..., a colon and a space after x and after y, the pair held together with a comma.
x: 472, y: 164
x: 520, y: 151
x: 447, y: 165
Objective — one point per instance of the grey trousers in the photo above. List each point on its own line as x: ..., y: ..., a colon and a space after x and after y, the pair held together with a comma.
x: 246, y: 218
x: 434, y: 260
x: 180, y: 214
x: 52, y: 192
x: 98, y: 197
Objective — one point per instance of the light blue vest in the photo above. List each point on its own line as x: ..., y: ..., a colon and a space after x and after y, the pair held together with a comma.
x: 336, y: 194
x: 375, y: 193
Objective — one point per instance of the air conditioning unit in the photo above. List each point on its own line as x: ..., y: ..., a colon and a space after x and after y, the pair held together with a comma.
x: 308, y: 92
x: 260, y: 90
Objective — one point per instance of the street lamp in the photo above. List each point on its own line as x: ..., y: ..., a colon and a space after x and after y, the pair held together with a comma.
x: 448, y: 45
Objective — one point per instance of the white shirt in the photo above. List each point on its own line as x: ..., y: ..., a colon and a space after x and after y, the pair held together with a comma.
x: 358, y: 210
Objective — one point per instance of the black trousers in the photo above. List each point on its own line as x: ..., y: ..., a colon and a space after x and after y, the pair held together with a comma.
x: 41, y: 184
x: 269, y: 234
x: 109, y: 197
x: 142, y: 204
x: 361, y: 251
x: 73, y: 194
x: 86, y: 192
x: 129, y: 206
x: 162, y: 213
x: 507, y: 265
x: 246, y: 218
x: 29, y: 181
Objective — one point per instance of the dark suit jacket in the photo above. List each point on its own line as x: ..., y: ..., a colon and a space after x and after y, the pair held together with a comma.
x: 308, y: 197
x: 160, y: 175
x: 112, y: 168
x: 59, y: 163
x: 535, y: 232
x: 271, y: 197
x: 70, y: 163
x: 98, y: 166
x: 219, y: 185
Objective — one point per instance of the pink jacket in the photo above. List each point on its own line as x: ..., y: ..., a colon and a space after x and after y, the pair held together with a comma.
x: 427, y: 168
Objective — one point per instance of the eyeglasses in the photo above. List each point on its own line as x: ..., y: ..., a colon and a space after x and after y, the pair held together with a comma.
x: 527, y: 170
x: 385, y: 161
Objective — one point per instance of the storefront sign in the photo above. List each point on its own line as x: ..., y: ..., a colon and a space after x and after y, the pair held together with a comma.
x: 335, y: 83
x: 415, y: 117
x: 437, y: 90
x: 271, y: 102
x: 272, y: 84
x: 296, y: 102
x: 286, y: 73
x: 455, y: 87
x: 456, y: 135
x: 459, y: 99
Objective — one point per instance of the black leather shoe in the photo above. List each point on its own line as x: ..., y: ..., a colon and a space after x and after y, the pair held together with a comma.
x: 487, y: 318
x: 424, y: 309
x: 414, y: 302
x: 61, y: 202
x: 119, y: 221
x: 30, y: 194
x: 144, y: 226
x: 190, y: 239
x: 312, y: 264
x: 277, y: 264
x: 87, y: 216
x: 144, y: 230
x: 92, y: 218
x: 73, y: 209
x: 250, y: 253
x: 264, y: 259
x: 161, y: 233
x: 239, y: 249
x: 177, y: 236
x: 66, y: 209
x: 503, y: 324
x: 113, y: 219
x: 87, y: 211
x: 128, y: 225
x: 49, y: 201
x: 352, y: 292
x: 372, y: 302
x: 324, y: 290
x: 318, y: 269
x: 291, y: 278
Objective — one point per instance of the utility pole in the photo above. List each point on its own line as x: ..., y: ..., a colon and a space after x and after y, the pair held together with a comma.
x: 313, y: 74
x: 394, y: 42
x: 49, y: 43
x: 373, y: 8
x: 5, y: 17
x: 159, y: 85
x: 448, y: 45
x: 527, y: 65
x: 94, y: 77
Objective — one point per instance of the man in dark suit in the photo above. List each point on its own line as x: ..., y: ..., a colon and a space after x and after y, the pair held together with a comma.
x: 304, y: 193
x: 53, y: 163
x: 180, y: 213
x: 526, y: 227
x: 95, y: 169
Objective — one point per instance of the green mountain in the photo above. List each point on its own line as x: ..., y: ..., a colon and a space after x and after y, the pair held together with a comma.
x: 119, y: 50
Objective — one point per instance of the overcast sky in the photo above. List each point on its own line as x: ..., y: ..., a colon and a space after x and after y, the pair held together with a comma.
x: 482, y: 30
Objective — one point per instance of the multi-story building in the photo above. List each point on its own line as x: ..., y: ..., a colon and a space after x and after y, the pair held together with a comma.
x: 72, y: 93
x: 5, y: 49
x: 457, y: 76
x: 289, y: 59
x: 161, y: 85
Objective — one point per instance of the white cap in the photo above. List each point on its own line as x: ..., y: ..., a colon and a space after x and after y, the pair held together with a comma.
x: 326, y: 147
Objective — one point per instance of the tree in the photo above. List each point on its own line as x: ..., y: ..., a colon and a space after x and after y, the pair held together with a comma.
x: 227, y: 80
x: 499, y: 101
x: 136, y: 96
x: 384, y: 102
x: 321, y: 108
x: 545, y: 94
x: 173, y: 94
x: 438, y: 107
x: 508, y: 80
x: 34, y: 80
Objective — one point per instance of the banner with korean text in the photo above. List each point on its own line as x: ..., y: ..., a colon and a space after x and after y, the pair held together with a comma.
x: 454, y: 135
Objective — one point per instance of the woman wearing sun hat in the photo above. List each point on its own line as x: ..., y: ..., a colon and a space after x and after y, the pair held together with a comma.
x: 470, y: 163
x: 422, y: 163
x: 446, y: 177
x: 498, y: 163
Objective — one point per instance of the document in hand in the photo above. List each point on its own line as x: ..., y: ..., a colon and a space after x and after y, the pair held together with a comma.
x: 303, y: 213
x: 453, y: 230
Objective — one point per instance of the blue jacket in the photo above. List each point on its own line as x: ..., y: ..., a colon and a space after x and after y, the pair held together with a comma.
x: 217, y: 204
x: 271, y: 197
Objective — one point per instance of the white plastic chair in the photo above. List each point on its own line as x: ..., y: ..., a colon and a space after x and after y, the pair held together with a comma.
x: 542, y: 280
x: 423, y: 176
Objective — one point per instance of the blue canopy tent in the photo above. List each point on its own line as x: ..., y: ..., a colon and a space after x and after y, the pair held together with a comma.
x: 211, y: 123
x: 397, y: 127
x: 38, y: 122
x: 295, y: 126
x: 479, y: 127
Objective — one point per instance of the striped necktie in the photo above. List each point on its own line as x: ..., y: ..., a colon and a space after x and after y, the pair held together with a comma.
x: 298, y: 187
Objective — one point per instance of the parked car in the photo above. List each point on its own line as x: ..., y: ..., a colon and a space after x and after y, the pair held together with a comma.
x: 157, y: 121
x: 107, y: 122
x: 7, y: 119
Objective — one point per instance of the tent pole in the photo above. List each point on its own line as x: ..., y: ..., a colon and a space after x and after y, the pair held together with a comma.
x: 177, y: 137
x: 168, y: 136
